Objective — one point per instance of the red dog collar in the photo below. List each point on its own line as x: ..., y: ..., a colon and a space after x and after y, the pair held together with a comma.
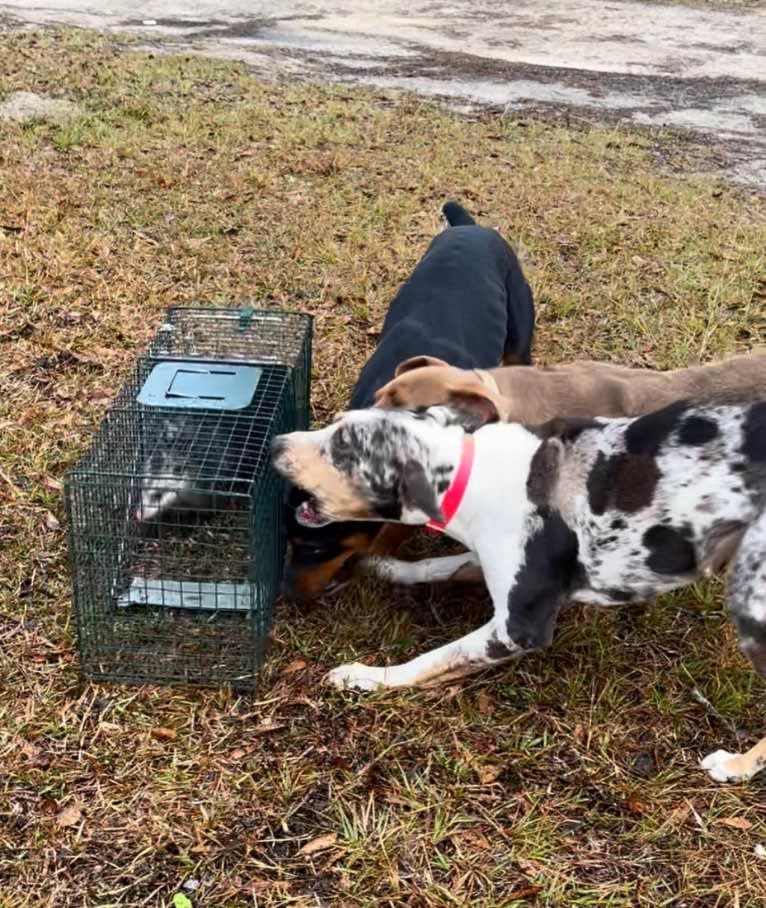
x: 454, y: 494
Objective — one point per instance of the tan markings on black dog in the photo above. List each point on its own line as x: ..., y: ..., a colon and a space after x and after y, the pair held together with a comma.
x: 391, y: 536
x: 309, y: 582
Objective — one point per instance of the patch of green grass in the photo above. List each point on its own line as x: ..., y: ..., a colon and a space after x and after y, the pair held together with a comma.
x: 569, y: 778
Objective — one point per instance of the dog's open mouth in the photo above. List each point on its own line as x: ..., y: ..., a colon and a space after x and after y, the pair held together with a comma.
x: 309, y: 514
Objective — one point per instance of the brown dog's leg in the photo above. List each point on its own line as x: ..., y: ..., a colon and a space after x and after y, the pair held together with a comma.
x: 390, y: 537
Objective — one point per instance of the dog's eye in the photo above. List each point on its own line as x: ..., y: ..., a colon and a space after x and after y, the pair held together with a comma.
x: 342, y: 439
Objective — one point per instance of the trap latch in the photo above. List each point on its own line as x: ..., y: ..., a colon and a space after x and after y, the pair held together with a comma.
x: 209, y: 386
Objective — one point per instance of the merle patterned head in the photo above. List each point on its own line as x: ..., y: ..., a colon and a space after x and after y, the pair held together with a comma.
x: 371, y: 465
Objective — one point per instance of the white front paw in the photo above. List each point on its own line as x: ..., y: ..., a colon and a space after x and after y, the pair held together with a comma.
x: 717, y: 765
x: 356, y: 675
x: 378, y: 566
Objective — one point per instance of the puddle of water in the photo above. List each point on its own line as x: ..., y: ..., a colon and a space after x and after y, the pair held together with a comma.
x: 756, y: 104
x: 723, y: 122
x: 351, y: 62
x: 317, y: 39
x: 515, y: 92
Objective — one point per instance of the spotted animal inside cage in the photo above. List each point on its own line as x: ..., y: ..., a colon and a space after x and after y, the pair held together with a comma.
x: 172, y: 473
x: 190, y: 464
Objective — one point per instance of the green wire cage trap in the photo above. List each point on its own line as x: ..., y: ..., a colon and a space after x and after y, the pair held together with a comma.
x: 175, y: 529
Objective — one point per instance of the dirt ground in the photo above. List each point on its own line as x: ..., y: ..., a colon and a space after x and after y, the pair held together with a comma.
x: 699, y: 67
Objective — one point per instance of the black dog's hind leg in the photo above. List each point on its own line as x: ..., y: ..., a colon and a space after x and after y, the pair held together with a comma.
x: 520, y: 328
x: 747, y: 603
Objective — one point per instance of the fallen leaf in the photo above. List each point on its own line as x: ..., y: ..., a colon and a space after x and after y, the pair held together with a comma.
x: 477, y: 839
x: 579, y: 733
x: 736, y: 822
x: 527, y: 892
x: 238, y: 754
x: 678, y: 816
x: 488, y: 774
x: 321, y: 844
x: 109, y: 727
x: 69, y: 816
x: 30, y: 751
x: 266, y: 726
x: 484, y: 703
x: 266, y: 886
x: 36, y: 756
x: 48, y: 806
x: 528, y: 866
x: 297, y: 665
x: 50, y: 482
x: 51, y: 522
x: 164, y: 734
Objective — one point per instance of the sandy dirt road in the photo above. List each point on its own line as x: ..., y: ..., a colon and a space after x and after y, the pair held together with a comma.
x: 697, y: 69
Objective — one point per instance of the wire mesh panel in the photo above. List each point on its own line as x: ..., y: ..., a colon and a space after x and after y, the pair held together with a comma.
x: 176, y: 539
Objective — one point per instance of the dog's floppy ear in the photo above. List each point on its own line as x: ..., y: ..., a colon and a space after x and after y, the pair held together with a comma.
x: 418, y: 362
x: 476, y: 404
x: 417, y: 492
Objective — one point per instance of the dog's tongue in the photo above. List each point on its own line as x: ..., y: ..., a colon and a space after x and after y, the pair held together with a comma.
x: 307, y: 514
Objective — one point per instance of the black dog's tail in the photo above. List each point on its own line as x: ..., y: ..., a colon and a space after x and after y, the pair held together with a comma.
x: 456, y: 215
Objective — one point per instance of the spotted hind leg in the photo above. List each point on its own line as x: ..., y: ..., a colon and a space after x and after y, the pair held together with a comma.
x: 747, y: 603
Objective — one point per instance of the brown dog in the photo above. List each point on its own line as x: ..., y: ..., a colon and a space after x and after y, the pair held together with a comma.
x: 535, y: 394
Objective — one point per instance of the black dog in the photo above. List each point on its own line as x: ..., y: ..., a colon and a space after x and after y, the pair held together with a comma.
x: 467, y: 302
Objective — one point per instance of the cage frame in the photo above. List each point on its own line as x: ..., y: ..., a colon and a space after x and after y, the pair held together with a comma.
x: 96, y: 615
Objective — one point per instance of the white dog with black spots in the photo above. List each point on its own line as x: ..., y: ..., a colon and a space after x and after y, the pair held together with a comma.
x: 598, y: 511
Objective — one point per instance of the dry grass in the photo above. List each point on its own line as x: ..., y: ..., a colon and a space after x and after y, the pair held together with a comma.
x: 569, y: 779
